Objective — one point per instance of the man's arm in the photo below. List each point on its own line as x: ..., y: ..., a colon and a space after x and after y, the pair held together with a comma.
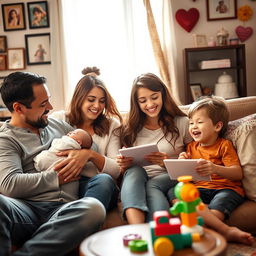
x: 19, y: 183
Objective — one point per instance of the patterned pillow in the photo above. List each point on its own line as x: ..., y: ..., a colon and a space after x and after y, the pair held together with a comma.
x: 238, y: 126
x: 242, y: 132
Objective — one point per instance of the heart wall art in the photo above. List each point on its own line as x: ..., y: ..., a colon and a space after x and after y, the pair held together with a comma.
x: 187, y: 19
x: 243, y: 33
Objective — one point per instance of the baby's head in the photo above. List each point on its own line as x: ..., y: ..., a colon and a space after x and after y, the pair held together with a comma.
x: 82, y: 137
x: 213, y: 108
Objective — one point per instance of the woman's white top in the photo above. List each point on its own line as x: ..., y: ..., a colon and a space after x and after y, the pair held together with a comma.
x: 146, y: 136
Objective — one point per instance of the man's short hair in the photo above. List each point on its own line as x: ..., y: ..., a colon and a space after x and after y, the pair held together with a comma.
x: 18, y: 87
x: 216, y: 108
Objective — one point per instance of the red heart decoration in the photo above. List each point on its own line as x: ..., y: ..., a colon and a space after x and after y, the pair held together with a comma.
x: 243, y: 33
x: 187, y: 19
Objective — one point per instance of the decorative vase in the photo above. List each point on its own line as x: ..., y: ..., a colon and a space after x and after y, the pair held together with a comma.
x: 225, y: 87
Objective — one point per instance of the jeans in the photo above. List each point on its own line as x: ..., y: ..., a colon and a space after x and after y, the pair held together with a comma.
x: 101, y: 187
x: 47, y: 228
x: 223, y: 200
x: 144, y: 193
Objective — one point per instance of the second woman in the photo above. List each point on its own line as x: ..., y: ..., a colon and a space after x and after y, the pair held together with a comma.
x: 93, y: 109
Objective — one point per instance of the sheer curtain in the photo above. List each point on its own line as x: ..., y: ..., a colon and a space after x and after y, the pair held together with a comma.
x: 111, y: 35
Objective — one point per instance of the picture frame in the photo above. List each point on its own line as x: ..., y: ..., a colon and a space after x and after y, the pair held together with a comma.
x: 13, y: 16
x: 38, y: 15
x: 196, y: 91
x: 221, y: 9
x: 200, y: 40
x: 38, y: 49
x: 3, y: 44
x: 15, y: 58
x: 3, y: 65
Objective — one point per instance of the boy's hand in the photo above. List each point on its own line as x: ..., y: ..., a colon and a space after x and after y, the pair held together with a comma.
x: 205, y: 167
x: 184, y: 155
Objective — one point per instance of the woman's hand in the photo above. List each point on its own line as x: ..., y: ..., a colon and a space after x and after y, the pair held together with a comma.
x: 124, y: 162
x: 205, y: 167
x: 157, y: 158
x: 71, y: 166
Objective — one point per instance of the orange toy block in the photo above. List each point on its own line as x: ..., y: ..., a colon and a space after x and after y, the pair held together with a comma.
x: 189, y: 219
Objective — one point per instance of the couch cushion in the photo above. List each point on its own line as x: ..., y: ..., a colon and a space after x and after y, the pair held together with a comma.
x: 242, y: 133
x: 243, y: 217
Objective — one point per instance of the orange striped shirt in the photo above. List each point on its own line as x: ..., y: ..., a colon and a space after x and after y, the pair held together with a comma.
x: 220, y: 153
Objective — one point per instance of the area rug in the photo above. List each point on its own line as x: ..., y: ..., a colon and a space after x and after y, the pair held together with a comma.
x: 235, y: 249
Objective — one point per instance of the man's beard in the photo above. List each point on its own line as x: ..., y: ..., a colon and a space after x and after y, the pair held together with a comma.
x: 40, y: 123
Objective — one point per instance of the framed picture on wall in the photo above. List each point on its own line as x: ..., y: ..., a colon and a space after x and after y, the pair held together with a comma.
x: 15, y: 58
x: 221, y: 9
x: 2, y: 62
x: 38, y: 15
x: 196, y: 91
x: 3, y: 44
x: 13, y: 16
x: 38, y: 49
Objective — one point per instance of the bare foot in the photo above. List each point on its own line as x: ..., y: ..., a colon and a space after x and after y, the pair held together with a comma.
x: 234, y: 234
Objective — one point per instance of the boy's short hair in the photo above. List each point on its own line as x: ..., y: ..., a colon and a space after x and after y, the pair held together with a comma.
x: 216, y: 108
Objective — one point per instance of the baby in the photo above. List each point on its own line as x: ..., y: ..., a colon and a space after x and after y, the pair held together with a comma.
x: 76, y: 139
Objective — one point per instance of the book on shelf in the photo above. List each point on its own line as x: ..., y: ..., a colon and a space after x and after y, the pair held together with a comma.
x: 220, y: 63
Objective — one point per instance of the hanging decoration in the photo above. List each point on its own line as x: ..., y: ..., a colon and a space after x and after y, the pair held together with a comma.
x: 244, y: 13
x: 187, y: 19
x: 243, y: 33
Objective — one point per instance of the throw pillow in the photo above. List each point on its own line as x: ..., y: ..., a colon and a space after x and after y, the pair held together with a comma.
x: 242, y: 132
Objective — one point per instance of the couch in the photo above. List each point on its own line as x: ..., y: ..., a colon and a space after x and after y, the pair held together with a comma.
x: 242, y: 132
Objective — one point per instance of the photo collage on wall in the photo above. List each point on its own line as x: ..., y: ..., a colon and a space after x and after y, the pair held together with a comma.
x: 37, y: 46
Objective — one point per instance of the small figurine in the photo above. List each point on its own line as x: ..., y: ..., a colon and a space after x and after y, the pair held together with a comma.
x: 189, y: 198
x: 222, y: 37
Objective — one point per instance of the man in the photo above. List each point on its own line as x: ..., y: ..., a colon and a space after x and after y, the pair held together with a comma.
x: 35, y: 213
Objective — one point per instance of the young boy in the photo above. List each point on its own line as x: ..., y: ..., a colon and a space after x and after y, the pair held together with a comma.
x: 208, y: 123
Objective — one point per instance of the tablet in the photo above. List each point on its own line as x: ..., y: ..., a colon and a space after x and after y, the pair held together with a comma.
x: 181, y: 167
x: 139, y: 152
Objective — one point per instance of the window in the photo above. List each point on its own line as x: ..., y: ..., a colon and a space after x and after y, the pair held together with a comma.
x: 111, y: 35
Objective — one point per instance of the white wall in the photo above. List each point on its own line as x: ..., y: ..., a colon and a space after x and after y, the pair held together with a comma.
x: 210, y: 28
x: 183, y: 39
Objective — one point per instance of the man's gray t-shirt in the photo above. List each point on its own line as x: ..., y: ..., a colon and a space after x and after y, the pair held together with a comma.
x: 18, y: 177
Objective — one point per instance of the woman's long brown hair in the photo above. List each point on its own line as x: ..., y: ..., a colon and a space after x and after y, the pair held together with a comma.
x: 75, y: 115
x: 136, y: 118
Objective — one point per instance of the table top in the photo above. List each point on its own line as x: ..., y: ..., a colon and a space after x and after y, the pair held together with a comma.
x: 109, y: 242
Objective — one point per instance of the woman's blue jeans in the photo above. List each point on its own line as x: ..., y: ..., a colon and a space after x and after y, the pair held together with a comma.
x: 102, y: 187
x: 144, y: 193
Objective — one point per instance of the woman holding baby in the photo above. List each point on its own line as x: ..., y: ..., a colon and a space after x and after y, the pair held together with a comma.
x: 93, y: 109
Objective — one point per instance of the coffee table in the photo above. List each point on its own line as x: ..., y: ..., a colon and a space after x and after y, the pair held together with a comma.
x: 109, y: 242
